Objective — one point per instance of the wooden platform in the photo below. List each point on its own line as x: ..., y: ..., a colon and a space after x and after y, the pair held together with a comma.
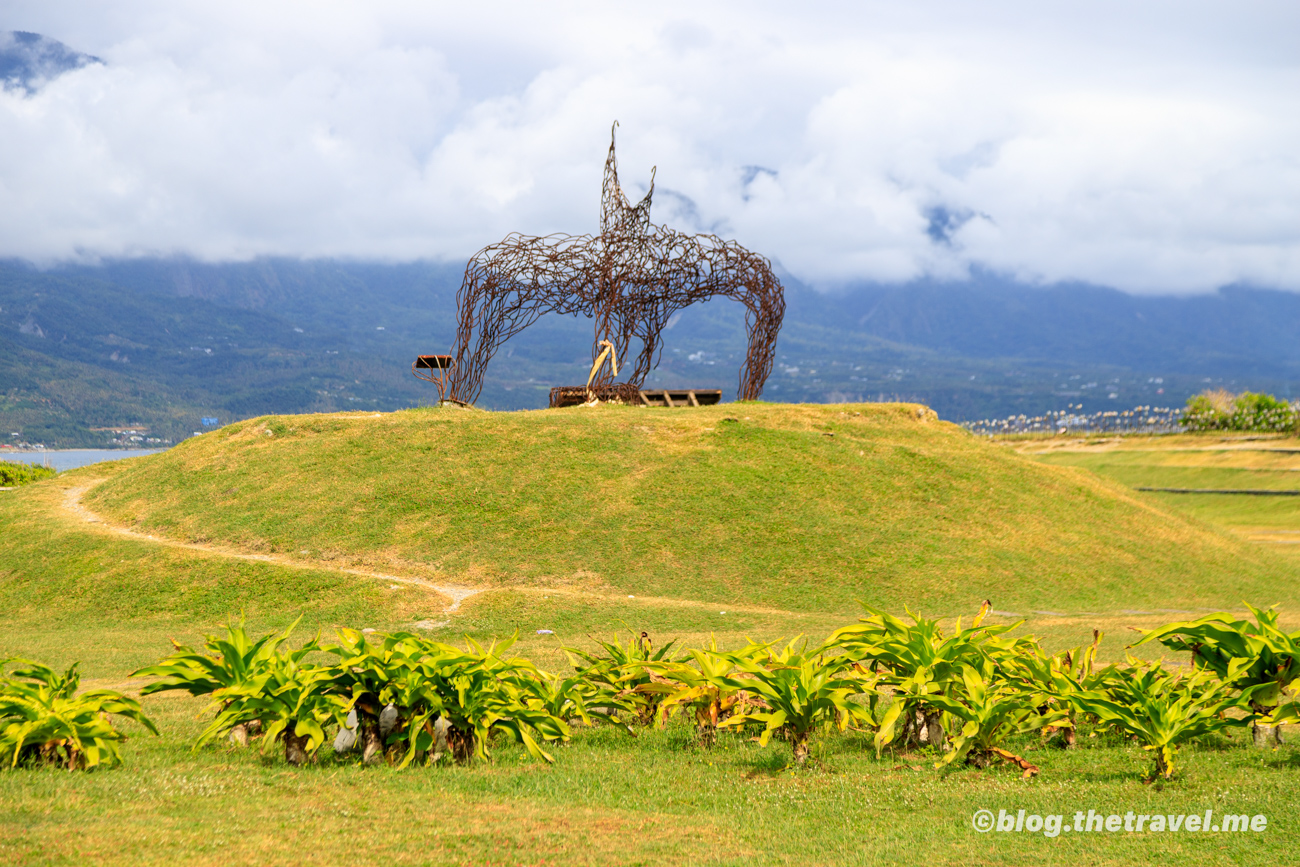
x: 682, y: 397
x: 575, y: 395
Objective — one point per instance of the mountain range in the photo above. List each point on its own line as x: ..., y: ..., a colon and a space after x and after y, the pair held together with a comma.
x: 156, y: 345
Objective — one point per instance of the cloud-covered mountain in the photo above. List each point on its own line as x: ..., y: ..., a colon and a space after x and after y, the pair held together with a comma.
x: 28, y: 60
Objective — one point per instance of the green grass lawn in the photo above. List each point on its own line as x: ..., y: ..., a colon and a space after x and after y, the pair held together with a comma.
x: 610, y: 799
x: 1208, y: 461
x: 682, y: 524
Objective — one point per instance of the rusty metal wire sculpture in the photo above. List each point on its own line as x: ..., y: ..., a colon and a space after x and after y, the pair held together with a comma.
x: 631, y: 279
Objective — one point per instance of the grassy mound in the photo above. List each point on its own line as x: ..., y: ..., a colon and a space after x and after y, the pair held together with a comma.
x: 802, y: 508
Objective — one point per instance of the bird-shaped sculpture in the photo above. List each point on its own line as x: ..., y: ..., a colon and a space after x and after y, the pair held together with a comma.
x: 630, y: 279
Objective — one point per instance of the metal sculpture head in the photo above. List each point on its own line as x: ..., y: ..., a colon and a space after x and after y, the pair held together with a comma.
x: 617, y: 215
x: 631, y: 278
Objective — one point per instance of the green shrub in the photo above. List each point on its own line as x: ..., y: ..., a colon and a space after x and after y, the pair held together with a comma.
x: 708, y: 688
x: 990, y: 709
x: 222, y: 663
x: 475, y: 692
x: 219, y: 670
x: 1266, y: 658
x: 44, y: 720
x: 1163, y: 709
x: 799, y: 692
x: 13, y: 474
x: 255, y: 686
x: 624, y: 670
x: 1248, y: 411
x: 1050, y: 676
x: 963, y: 691
x: 291, y: 698
x: 918, y: 661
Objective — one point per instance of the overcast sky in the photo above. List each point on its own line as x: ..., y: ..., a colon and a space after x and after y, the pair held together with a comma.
x: 1151, y: 146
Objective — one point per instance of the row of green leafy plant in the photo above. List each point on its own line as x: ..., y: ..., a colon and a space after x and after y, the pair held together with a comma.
x: 1247, y: 411
x: 13, y: 474
x: 403, y: 698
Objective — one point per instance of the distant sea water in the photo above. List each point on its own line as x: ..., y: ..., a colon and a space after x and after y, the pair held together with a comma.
x: 70, y: 459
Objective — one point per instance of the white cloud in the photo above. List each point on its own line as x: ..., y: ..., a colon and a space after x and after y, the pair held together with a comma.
x: 1154, y: 148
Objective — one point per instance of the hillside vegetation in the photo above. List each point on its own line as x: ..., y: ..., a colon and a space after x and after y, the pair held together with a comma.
x: 80, y: 356
x: 13, y: 473
x: 803, y: 508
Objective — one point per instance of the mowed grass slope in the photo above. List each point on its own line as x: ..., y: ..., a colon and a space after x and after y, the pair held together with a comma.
x: 1205, y: 462
x: 800, y: 508
x: 72, y: 591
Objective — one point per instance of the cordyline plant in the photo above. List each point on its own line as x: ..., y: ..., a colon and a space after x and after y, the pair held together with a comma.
x: 990, y: 709
x: 44, y: 720
x: 1161, y: 708
x: 475, y: 691
x: 223, y: 664
x: 1042, y: 673
x: 293, y: 699
x: 364, y: 674
x: 918, y: 661
x: 707, y: 688
x: 624, y: 669
x: 1270, y: 657
x: 801, y: 692
x: 575, y: 697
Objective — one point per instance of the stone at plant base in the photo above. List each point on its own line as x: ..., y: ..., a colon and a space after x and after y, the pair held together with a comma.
x: 440, y: 734
x: 346, y: 740
x: 240, y: 734
x: 387, y: 721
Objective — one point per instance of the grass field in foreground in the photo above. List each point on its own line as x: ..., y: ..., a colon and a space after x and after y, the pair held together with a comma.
x: 925, y: 507
x: 609, y: 799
